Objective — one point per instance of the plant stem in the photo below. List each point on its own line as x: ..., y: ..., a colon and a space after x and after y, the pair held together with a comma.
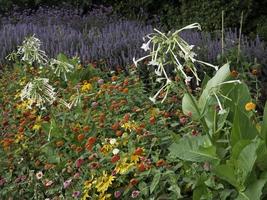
x: 222, y: 33
x: 239, y: 39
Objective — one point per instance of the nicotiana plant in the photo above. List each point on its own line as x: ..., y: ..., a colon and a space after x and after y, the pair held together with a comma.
x: 30, y: 52
x: 61, y: 68
x: 171, y: 49
x: 38, y: 91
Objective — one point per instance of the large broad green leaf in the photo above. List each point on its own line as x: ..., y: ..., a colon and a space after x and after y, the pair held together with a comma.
x: 189, y: 107
x: 221, y: 76
x: 247, y: 158
x: 264, y: 125
x: 239, y: 95
x: 201, y: 192
x: 227, y: 173
x: 196, y: 149
x: 254, y: 189
x: 243, y: 128
x: 239, y: 167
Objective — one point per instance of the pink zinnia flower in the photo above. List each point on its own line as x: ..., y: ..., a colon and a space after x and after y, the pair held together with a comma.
x: 66, y: 184
x: 48, y: 183
x: 135, y: 194
x: 79, y: 162
x: 117, y: 194
x: 76, y: 194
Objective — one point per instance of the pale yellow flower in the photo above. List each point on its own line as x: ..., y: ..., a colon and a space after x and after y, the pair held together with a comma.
x: 36, y: 127
x: 131, y: 126
x: 86, y: 87
x: 123, y: 167
x: 104, y: 182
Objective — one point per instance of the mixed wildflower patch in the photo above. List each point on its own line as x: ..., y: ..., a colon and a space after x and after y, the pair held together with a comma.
x: 74, y: 132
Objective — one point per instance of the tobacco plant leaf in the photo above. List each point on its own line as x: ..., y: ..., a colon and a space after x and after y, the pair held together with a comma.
x: 195, y: 149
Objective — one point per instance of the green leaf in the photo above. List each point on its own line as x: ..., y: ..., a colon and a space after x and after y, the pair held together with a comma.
x: 243, y: 128
x: 205, y: 81
x: 227, y: 173
x: 199, y: 192
x: 188, y: 106
x: 62, y: 57
x: 239, y: 167
x: 221, y: 75
x: 155, y: 181
x: 196, y: 149
x: 247, y: 158
x: 264, y: 125
x: 254, y: 189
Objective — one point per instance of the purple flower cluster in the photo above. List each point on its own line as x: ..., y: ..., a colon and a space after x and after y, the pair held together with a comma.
x: 95, y: 36
x: 100, y: 35
x: 210, y: 45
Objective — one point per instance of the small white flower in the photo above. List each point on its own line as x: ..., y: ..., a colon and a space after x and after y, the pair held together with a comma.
x: 145, y: 46
x: 39, y: 175
x: 153, y: 99
x: 188, y: 79
x: 115, y: 151
x: 112, y: 141
x: 153, y: 63
x: 221, y: 112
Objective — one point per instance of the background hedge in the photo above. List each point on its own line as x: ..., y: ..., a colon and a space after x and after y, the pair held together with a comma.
x: 172, y: 13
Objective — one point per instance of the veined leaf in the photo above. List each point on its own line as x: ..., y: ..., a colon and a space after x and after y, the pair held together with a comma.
x: 264, y: 125
x: 221, y: 76
x: 195, y: 149
x: 227, y: 173
x: 243, y: 129
x: 254, y: 189
x: 189, y: 107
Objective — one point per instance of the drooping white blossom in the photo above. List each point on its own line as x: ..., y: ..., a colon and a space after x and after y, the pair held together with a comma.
x: 38, y: 91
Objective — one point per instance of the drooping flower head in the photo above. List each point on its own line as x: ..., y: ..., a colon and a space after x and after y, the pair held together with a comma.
x: 61, y: 68
x: 30, y: 51
x: 171, y: 49
x: 38, y: 91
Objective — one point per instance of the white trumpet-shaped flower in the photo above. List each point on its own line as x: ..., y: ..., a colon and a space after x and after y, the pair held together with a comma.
x: 171, y: 49
x: 145, y: 46
x: 30, y: 51
x: 38, y: 91
x: 61, y: 68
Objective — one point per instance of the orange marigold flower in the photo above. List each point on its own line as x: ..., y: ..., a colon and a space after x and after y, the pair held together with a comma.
x: 80, y: 137
x: 91, y: 140
x: 134, y: 181
x: 250, y: 106
x: 78, y: 149
x: 115, y: 158
x: 160, y: 163
x: 125, y: 90
x: 114, y: 78
x: 234, y: 73
x: 60, y: 143
x: 255, y: 72
x: 138, y: 151
x: 119, y: 133
x: 152, y: 120
x: 86, y: 128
